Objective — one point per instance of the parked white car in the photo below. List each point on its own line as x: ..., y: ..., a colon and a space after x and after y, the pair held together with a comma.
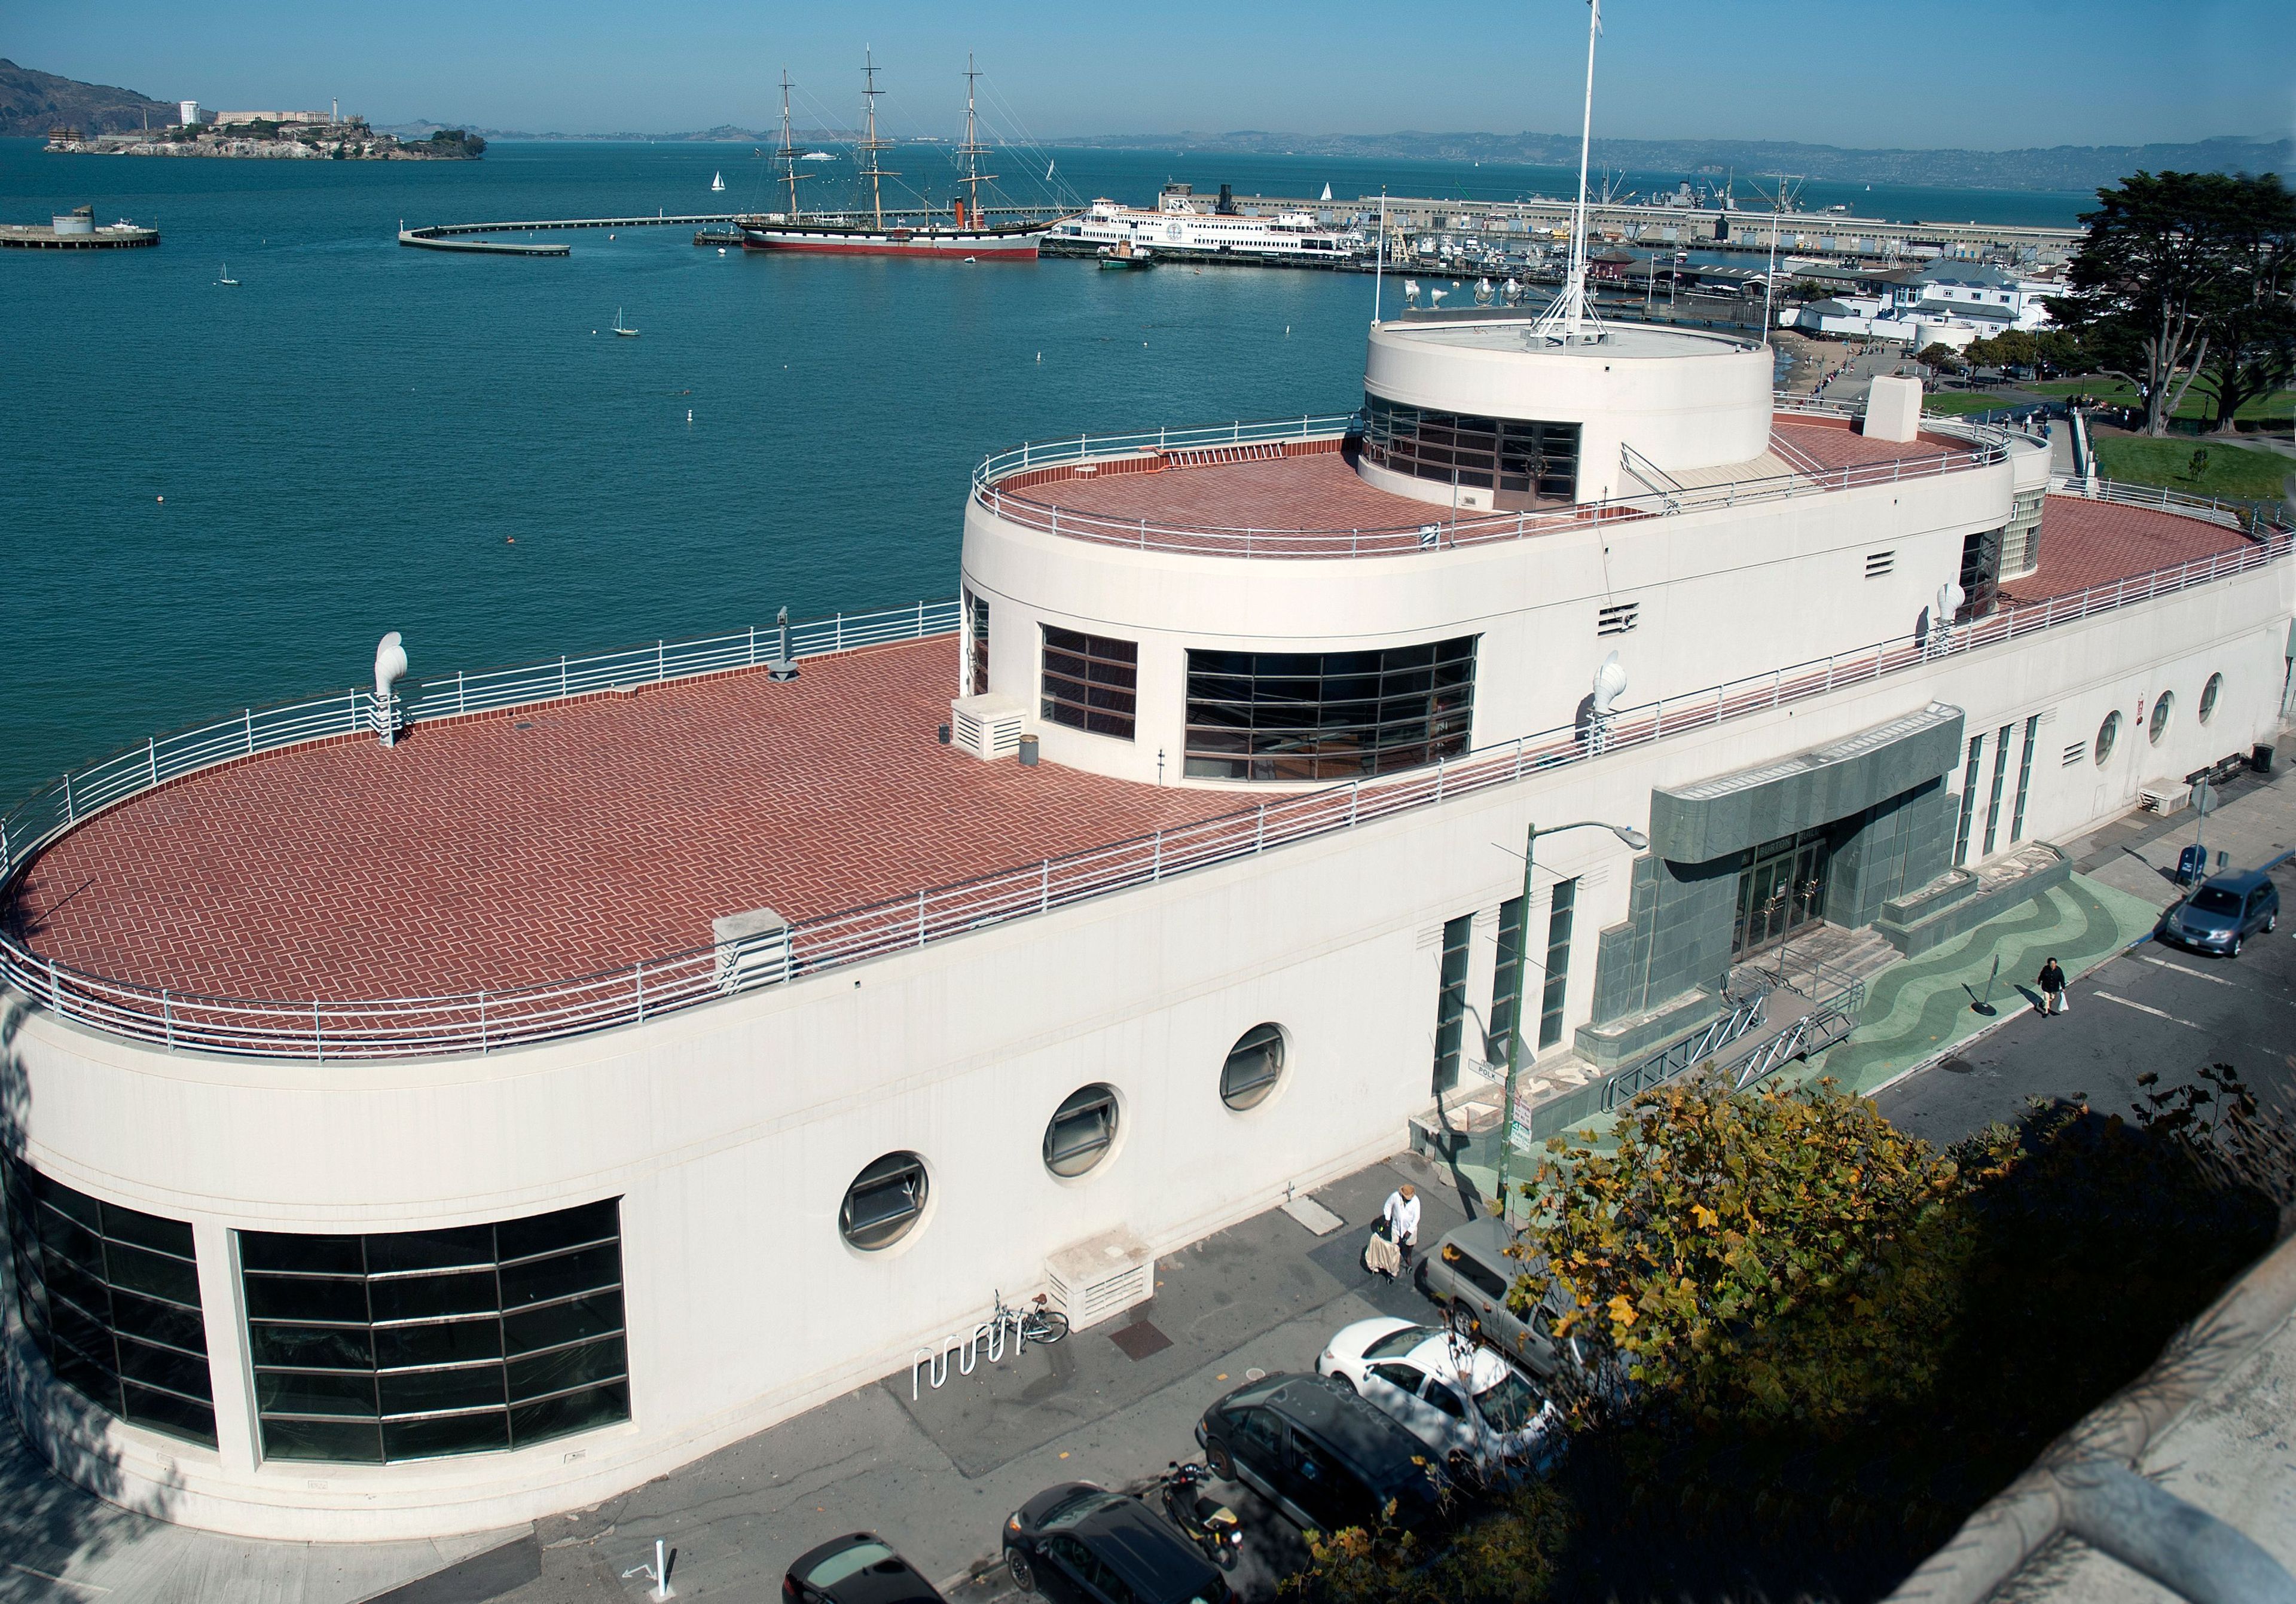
x: 1463, y: 1400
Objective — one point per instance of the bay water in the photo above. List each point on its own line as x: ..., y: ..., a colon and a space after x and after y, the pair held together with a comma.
x: 216, y: 497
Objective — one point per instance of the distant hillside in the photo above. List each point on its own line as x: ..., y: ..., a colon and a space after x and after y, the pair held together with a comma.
x: 32, y: 102
x: 2057, y: 167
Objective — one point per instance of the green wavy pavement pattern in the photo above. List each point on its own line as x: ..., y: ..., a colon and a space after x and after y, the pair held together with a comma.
x: 1921, y: 1007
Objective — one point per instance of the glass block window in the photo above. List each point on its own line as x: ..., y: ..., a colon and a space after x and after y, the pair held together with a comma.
x: 1328, y: 715
x: 2025, y: 777
x: 419, y: 1343
x: 1506, y: 978
x: 1968, y: 800
x: 1993, y: 802
x: 1090, y: 684
x: 1451, y: 999
x: 1558, y: 963
x: 976, y: 618
x: 112, y: 1298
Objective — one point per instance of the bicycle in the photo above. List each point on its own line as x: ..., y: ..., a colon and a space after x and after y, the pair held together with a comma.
x: 1034, y: 1321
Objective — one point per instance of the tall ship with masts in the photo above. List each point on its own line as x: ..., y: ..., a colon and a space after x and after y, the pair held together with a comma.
x: 870, y: 228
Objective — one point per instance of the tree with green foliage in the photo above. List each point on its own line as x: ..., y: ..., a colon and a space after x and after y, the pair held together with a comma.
x: 1941, y: 355
x: 2038, y: 349
x: 2252, y: 331
x: 2165, y: 259
x: 1728, y: 1254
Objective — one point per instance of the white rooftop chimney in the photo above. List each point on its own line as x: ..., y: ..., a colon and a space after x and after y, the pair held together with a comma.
x: 1893, y: 410
x: 389, y: 668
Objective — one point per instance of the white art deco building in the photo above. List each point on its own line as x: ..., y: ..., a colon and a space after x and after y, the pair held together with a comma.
x: 412, y: 1138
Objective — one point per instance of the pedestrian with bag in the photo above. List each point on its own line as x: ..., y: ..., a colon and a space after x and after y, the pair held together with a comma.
x: 1401, y: 1216
x: 2052, y: 989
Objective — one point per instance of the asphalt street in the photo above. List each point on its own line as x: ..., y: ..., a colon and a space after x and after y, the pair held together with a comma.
x: 2155, y: 1007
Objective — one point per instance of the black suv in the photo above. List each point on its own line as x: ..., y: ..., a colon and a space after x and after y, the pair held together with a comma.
x: 1319, y: 1453
x: 1081, y: 1544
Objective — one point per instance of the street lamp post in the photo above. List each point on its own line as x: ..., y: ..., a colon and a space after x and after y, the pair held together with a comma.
x: 1633, y: 838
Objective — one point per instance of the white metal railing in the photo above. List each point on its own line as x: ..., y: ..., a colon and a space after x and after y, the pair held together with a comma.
x: 2248, y: 515
x: 61, y: 804
x: 1443, y: 529
x: 479, y: 1021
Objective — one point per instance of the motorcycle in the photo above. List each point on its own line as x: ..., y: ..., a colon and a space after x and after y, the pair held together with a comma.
x: 1211, y: 1525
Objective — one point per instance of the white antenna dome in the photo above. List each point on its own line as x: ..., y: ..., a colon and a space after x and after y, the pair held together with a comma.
x: 1609, y: 684
x: 389, y: 665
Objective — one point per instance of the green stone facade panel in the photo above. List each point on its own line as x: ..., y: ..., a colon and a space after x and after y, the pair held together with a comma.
x: 1883, y: 794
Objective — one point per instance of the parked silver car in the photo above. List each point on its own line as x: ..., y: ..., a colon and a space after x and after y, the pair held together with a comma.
x: 1469, y: 1274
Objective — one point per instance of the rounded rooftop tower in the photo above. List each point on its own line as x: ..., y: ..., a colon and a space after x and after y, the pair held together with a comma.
x: 1487, y: 411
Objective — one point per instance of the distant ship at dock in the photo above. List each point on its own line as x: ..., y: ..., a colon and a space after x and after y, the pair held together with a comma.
x: 966, y: 232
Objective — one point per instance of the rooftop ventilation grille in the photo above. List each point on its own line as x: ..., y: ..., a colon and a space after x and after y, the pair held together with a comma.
x: 1616, y: 620
x: 989, y: 725
x: 1105, y: 1276
x: 2075, y: 753
x: 1878, y: 563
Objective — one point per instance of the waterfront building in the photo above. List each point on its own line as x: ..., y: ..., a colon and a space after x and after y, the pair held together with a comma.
x: 1948, y: 302
x: 419, y: 1136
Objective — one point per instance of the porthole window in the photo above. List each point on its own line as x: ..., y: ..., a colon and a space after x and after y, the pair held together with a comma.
x: 883, y: 1203
x: 2107, y: 733
x: 1082, y: 1131
x: 2208, y: 694
x: 2162, y: 706
x: 1254, y: 1066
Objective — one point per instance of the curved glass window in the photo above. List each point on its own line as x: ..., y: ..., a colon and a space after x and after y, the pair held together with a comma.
x: 417, y: 1344
x: 1082, y: 1131
x: 2107, y: 733
x: 884, y: 1201
x: 1090, y: 682
x: 1521, y: 461
x: 2164, y: 705
x: 111, y: 1297
x: 1328, y: 715
x: 2208, y: 694
x: 1254, y: 1066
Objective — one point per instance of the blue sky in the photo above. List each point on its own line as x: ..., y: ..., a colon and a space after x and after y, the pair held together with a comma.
x: 1948, y: 72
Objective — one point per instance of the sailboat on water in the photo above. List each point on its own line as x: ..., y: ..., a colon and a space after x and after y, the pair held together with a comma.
x: 716, y: 183
x: 226, y: 278
x: 964, y: 231
x: 625, y: 333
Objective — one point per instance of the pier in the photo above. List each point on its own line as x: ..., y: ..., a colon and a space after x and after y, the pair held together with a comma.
x: 1706, y: 228
x: 76, y: 230
x: 454, y: 236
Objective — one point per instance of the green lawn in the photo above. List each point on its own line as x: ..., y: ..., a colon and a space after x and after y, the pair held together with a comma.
x: 2112, y: 392
x: 2236, y: 471
x: 1954, y: 403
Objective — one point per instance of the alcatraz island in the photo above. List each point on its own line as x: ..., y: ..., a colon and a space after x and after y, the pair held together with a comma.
x: 307, y: 135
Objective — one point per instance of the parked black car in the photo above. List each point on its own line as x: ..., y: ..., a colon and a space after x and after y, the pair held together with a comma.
x: 857, y: 1569
x: 1320, y: 1454
x: 1081, y: 1544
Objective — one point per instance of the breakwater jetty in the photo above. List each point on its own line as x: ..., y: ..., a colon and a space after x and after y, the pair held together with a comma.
x: 455, y: 236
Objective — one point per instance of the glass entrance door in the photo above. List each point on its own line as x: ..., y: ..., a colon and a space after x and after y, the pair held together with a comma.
x: 1781, y: 888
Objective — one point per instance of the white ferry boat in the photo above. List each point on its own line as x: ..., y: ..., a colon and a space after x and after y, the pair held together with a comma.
x: 1184, y: 224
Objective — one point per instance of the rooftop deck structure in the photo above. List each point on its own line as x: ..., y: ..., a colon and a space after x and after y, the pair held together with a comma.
x: 1290, y: 489
x: 518, y: 874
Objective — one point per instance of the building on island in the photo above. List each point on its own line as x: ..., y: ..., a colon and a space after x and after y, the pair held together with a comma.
x: 410, y: 1138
